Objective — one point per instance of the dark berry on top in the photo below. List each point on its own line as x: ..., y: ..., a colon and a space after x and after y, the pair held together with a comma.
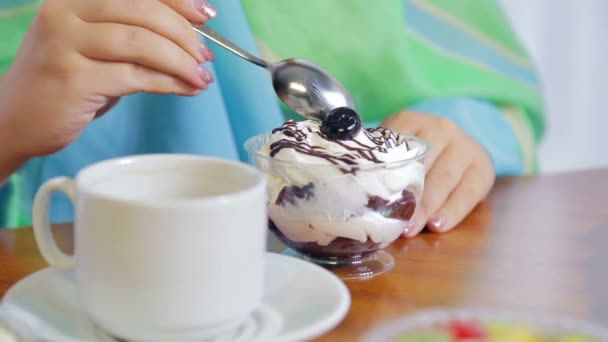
x: 341, y: 123
x: 292, y: 193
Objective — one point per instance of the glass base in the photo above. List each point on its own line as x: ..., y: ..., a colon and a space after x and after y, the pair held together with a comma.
x: 358, y: 268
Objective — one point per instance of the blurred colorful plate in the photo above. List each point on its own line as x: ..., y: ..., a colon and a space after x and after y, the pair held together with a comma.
x: 482, y: 325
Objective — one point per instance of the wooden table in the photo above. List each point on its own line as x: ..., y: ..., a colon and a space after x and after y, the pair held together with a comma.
x: 536, y: 243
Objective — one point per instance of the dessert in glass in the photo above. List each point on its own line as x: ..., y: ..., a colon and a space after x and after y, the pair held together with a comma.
x: 339, y: 193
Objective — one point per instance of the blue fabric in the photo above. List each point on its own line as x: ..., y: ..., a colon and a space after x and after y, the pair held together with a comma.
x: 5, y: 190
x: 6, y: 4
x: 249, y: 96
x: 239, y: 104
x: 484, y: 123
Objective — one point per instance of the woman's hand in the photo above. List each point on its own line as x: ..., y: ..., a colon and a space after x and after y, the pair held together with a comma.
x: 80, y: 56
x: 459, y: 171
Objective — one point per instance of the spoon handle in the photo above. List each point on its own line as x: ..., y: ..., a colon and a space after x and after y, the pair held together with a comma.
x: 228, y: 45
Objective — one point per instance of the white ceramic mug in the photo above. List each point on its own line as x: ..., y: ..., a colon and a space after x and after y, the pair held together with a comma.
x: 165, y: 245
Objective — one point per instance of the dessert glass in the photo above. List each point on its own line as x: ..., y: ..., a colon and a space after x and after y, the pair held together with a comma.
x: 329, y: 215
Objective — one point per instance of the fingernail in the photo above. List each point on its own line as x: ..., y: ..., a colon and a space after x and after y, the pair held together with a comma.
x: 411, y: 225
x: 205, y: 8
x: 205, y: 75
x: 438, y: 222
x: 206, y: 52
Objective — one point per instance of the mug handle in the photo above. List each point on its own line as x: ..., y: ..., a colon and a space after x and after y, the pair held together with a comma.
x: 42, y: 225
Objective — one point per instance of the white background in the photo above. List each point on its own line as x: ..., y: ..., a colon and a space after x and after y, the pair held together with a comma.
x: 568, y: 41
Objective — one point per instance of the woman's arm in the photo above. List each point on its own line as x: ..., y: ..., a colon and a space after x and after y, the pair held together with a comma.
x: 488, y: 125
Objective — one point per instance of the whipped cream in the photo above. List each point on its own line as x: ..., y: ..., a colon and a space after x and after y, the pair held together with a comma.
x: 303, y: 142
x: 321, y: 189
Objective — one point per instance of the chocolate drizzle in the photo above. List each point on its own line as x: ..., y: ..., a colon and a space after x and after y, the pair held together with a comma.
x: 381, y: 139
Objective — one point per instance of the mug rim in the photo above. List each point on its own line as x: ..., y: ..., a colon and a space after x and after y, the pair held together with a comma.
x: 258, y: 183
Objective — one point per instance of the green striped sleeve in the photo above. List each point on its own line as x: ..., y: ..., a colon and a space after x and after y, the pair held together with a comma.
x: 14, y: 23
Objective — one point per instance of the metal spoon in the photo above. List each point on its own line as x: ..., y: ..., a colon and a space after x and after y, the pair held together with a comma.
x: 301, y: 85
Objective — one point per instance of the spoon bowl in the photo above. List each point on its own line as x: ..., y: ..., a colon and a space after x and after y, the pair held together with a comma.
x: 307, y: 89
x: 301, y: 85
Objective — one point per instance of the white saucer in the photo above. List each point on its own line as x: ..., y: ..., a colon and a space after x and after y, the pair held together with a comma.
x: 301, y: 302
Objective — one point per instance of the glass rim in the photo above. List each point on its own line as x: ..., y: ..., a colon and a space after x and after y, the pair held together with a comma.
x: 424, y: 151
